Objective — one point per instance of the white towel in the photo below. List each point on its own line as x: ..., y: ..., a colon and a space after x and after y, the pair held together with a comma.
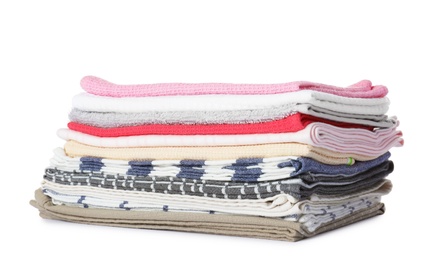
x: 89, y: 102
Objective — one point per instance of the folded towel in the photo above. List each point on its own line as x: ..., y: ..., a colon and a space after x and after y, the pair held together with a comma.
x: 295, y: 187
x: 281, y: 205
x: 311, y: 216
x: 98, y: 86
x: 223, y: 224
x: 75, y: 149
x: 248, y: 169
x: 337, y: 139
x: 292, y: 123
x: 116, y: 119
x: 307, y: 98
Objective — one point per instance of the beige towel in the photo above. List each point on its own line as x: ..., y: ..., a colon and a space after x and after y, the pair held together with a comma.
x: 75, y: 149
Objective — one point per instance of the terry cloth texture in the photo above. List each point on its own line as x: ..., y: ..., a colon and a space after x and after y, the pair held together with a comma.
x: 247, y: 170
x: 289, y: 124
x: 116, y: 119
x: 100, y: 87
x: 75, y: 149
x: 307, y: 102
x: 295, y: 187
x: 281, y: 205
x: 337, y: 139
x: 362, y: 106
x: 222, y: 224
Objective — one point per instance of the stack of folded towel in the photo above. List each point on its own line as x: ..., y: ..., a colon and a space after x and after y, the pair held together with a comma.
x: 277, y: 161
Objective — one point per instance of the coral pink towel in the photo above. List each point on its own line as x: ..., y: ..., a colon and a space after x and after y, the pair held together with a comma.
x: 292, y: 123
x: 100, y: 87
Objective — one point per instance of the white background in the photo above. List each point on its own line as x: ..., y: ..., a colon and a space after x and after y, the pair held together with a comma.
x: 46, y: 47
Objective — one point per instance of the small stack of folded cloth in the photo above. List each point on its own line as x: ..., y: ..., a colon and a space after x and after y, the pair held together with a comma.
x: 277, y: 161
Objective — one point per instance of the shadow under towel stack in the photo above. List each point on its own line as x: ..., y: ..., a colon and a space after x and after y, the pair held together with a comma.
x: 277, y: 161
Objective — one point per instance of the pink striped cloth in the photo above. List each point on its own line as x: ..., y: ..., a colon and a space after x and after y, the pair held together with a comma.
x: 100, y: 87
